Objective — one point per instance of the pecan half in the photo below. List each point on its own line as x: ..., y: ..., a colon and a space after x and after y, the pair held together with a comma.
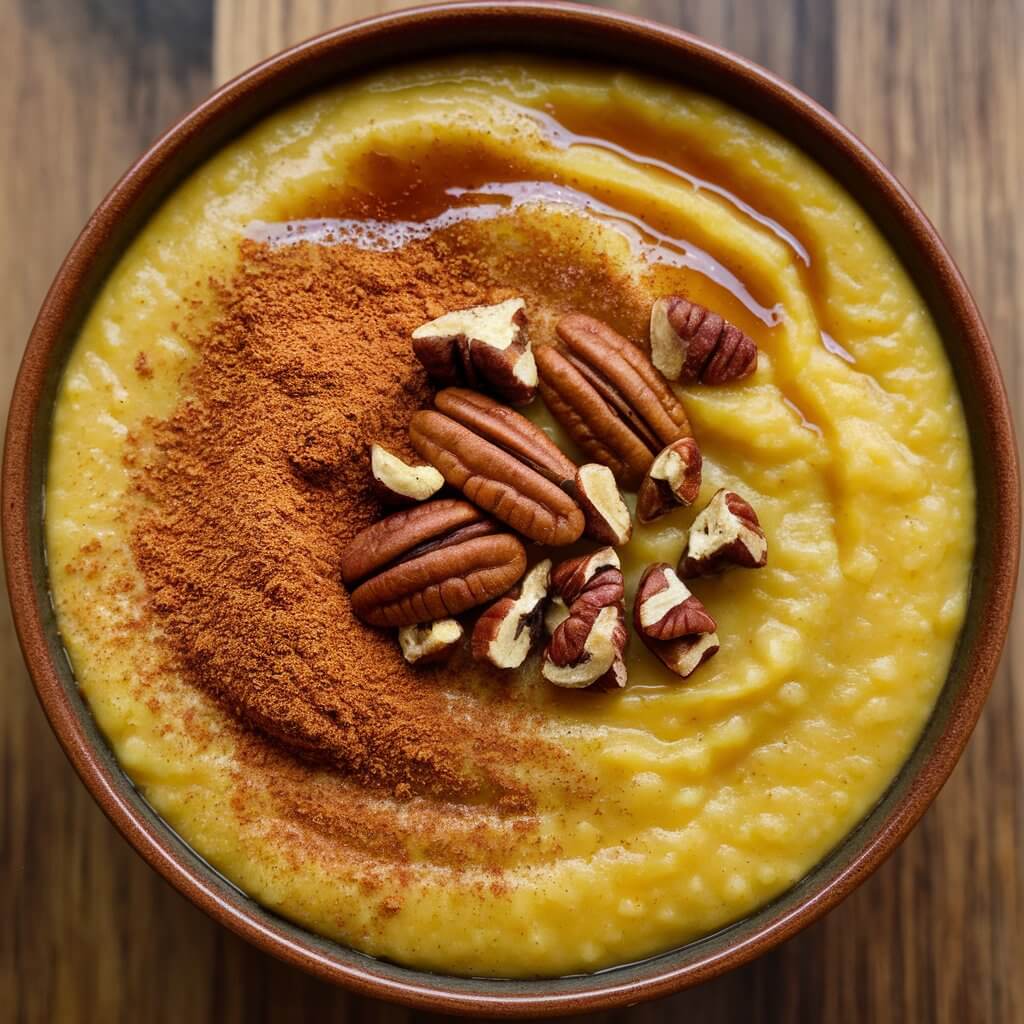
x: 507, y: 631
x: 672, y: 480
x: 690, y: 343
x: 431, y: 642
x: 502, y: 462
x: 672, y: 622
x: 587, y: 645
x: 609, y: 397
x: 485, y: 346
x: 509, y: 430
x: 396, y: 482
x: 429, y: 562
x: 607, y: 516
x: 727, y: 532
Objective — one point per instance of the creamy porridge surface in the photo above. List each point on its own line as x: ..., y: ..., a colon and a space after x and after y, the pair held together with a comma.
x: 654, y: 815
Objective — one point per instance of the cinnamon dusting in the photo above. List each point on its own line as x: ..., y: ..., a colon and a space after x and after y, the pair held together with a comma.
x: 255, y: 484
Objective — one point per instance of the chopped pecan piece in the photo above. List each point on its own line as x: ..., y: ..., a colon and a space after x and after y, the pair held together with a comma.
x: 587, y: 645
x: 557, y: 612
x: 430, y: 642
x: 429, y: 562
x: 485, y: 347
x: 502, y: 462
x: 665, y: 609
x: 672, y: 480
x: 685, y: 655
x: 607, y: 515
x: 726, y: 533
x: 672, y: 622
x: 396, y: 482
x: 609, y: 397
x: 690, y: 343
x: 507, y: 631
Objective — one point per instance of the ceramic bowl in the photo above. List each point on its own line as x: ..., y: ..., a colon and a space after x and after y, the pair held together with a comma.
x: 566, y: 31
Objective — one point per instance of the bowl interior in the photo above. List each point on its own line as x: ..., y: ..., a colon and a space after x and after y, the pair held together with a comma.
x: 562, y: 31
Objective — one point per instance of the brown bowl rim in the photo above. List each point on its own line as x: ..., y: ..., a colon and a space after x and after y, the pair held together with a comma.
x: 596, y: 35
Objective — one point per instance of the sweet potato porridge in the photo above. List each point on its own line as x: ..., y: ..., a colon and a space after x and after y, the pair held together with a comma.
x: 510, y: 517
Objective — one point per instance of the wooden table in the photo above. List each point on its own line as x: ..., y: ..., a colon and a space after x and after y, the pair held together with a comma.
x: 90, y: 934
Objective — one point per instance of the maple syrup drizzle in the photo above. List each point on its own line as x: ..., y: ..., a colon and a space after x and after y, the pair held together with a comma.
x: 653, y: 246
x: 805, y: 423
x: 558, y: 135
x: 836, y: 349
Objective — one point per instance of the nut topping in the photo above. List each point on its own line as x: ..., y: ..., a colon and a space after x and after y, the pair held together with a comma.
x: 430, y: 642
x: 484, y: 347
x: 507, y: 481
x: 672, y: 480
x: 507, y: 631
x: 429, y: 562
x: 726, y: 533
x: 685, y: 655
x: 665, y: 609
x: 690, y: 343
x: 587, y: 646
x: 609, y: 397
x: 419, y: 568
x: 557, y: 612
x: 672, y: 622
x: 509, y: 430
x: 398, y: 483
x: 607, y: 516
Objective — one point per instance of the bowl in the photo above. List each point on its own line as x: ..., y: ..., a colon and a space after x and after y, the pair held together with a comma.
x: 566, y: 31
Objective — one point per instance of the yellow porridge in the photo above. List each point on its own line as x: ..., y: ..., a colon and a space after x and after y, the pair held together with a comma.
x: 567, y: 831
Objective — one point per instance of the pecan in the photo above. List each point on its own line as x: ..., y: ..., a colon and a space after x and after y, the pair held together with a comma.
x: 664, y: 607
x: 486, y: 347
x: 507, y: 631
x: 587, y: 645
x: 609, y: 397
x: 429, y: 562
x: 398, y: 483
x: 557, y: 612
x: 672, y: 622
x: 672, y: 480
x: 726, y: 532
x: 606, y: 514
x: 430, y: 642
x: 690, y: 343
x: 509, y: 430
x: 502, y: 462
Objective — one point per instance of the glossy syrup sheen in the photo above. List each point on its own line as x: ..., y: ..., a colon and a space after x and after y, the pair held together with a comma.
x: 579, y: 188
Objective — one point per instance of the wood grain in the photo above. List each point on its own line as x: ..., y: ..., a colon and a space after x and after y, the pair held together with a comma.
x: 90, y: 933
x: 937, y: 935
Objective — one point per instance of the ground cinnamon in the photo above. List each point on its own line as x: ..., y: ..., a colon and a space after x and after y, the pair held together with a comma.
x: 255, y: 484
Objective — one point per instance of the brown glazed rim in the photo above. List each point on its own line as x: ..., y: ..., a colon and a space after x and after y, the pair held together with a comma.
x: 567, y: 31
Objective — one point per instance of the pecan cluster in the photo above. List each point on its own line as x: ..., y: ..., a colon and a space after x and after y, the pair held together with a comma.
x: 609, y: 397
x: 422, y: 567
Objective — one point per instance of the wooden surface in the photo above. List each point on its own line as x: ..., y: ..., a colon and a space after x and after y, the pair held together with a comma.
x: 90, y: 934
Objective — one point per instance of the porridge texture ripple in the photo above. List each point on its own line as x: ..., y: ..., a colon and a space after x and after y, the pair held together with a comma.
x: 440, y: 819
